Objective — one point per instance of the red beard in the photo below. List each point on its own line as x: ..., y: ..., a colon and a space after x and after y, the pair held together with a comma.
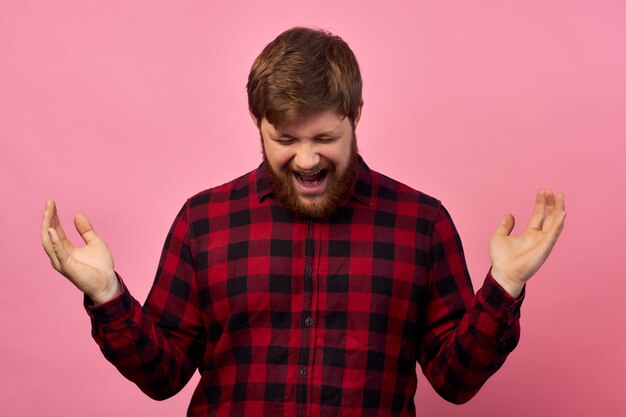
x: 337, y: 193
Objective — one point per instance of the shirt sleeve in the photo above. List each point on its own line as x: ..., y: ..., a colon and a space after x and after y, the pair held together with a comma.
x: 156, y: 346
x: 465, y: 337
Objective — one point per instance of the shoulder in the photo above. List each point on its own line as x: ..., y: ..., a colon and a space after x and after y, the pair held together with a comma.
x: 212, y: 209
x: 405, y: 199
x: 237, y: 189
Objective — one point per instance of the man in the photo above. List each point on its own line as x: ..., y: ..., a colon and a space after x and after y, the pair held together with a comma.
x: 313, y: 284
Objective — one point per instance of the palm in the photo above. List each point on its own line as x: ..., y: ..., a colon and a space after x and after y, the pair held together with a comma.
x: 89, y: 267
x: 522, y: 254
x: 515, y: 258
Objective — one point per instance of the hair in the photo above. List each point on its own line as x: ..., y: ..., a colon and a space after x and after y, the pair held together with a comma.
x: 301, y: 72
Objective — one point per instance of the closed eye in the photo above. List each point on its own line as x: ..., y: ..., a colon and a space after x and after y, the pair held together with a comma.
x: 326, y: 139
x: 285, y: 140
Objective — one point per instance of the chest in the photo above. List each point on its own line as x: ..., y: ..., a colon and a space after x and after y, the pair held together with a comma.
x: 275, y: 274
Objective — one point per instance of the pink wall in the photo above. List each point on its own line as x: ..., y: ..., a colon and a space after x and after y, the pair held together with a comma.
x: 121, y: 110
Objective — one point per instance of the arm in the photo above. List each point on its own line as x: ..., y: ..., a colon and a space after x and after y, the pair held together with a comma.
x: 466, y: 338
x: 156, y: 346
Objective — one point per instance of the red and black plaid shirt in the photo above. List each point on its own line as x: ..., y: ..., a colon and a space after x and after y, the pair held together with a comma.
x: 289, y: 317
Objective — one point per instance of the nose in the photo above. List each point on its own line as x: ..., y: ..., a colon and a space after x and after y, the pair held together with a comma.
x: 306, y: 157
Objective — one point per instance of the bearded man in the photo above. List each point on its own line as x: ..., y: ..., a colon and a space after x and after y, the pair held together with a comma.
x: 313, y: 284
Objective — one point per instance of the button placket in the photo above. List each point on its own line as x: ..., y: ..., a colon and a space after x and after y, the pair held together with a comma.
x: 306, y: 321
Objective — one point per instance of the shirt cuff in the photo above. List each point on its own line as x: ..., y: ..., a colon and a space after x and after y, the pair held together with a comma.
x: 114, y: 310
x: 498, y: 302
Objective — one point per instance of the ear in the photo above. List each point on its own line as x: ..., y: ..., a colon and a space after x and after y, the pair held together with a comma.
x: 358, y: 115
x: 254, y: 119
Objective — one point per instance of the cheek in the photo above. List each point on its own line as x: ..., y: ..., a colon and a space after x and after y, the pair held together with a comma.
x: 278, y: 157
x: 340, y: 156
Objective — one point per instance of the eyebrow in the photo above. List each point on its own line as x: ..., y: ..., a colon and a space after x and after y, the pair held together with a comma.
x: 331, y: 133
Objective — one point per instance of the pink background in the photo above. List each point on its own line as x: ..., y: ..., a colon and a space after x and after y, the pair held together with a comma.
x: 121, y: 110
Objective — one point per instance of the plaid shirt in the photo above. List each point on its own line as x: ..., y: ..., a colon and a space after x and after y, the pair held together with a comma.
x: 289, y: 317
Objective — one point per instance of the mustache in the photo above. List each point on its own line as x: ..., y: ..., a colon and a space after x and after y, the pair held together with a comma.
x: 324, y: 165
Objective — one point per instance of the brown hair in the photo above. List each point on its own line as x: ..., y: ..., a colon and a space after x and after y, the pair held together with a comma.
x: 301, y: 72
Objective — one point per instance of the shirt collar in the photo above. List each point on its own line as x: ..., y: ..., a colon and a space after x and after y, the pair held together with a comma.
x: 363, y: 190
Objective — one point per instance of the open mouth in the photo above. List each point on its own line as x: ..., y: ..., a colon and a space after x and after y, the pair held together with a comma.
x: 312, y: 179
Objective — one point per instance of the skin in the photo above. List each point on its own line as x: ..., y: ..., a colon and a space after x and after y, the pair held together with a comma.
x: 322, y: 145
x: 89, y: 267
x: 303, y: 147
x: 516, y: 258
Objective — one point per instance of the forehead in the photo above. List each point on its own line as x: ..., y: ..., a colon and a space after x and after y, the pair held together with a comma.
x: 327, y: 122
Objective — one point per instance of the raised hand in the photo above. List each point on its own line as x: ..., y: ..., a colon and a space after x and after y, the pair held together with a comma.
x: 516, y: 258
x: 89, y: 267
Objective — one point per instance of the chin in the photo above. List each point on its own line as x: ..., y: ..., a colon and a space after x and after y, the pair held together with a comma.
x: 313, y: 201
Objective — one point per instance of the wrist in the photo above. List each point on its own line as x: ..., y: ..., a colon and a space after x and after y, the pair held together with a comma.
x: 113, y: 290
x: 512, y: 287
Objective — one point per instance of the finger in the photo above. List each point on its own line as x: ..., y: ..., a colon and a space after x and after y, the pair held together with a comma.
x: 539, y: 212
x: 560, y: 202
x: 550, y: 202
x: 48, y: 247
x: 66, y: 262
x: 54, y: 219
x: 558, y: 218
x: 548, y: 222
x: 45, y: 223
x: 506, y: 225
x: 45, y: 235
x: 46, y: 220
x: 56, y: 246
x: 84, y: 227
x: 555, y: 212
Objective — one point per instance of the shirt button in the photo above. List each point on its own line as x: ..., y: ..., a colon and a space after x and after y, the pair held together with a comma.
x: 308, y: 322
x: 308, y: 271
x: 302, y: 372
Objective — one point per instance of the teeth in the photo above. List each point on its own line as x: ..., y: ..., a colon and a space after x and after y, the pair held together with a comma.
x: 310, y: 174
x: 310, y: 179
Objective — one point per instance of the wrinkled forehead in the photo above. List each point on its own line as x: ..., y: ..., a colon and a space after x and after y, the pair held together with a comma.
x: 328, y: 123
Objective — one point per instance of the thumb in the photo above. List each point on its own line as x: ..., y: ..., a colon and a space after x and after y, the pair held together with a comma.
x: 506, y: 225
x: 84, y: 227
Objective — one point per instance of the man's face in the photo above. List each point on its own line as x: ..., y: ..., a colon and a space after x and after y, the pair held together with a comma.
x: 313, y: 162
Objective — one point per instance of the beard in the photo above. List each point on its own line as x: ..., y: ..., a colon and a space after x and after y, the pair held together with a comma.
x: 337, y: 192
